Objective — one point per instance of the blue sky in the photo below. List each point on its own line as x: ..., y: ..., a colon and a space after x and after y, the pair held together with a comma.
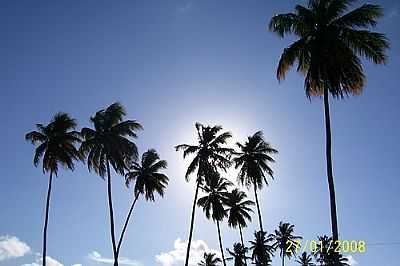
x: 172, y: 63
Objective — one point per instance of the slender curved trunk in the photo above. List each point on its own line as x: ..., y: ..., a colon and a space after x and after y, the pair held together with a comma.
x: 241, y: 239
x: 126, y: 223
x: 110, y: 205
x: 258, y: 207
x: 283, y: 260
x: 220, y: 244
x: 335, y: 233
x: 46, y: 219
x: 192, y: 224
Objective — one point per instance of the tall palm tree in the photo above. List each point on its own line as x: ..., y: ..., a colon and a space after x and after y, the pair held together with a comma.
x: 282, y: 238
x: 325, y: 254
x: 238, y: 254
x: 262, y: 250
x: 56, y: 146
x: 216, y: 190
x: 209, y: 150
x: 305, y: 260
x: 210, y: 259
x: 328, y: 53
x: 239, y: 211
x: 148, y: 181
x: 110, y: 143
x: 253, y: 159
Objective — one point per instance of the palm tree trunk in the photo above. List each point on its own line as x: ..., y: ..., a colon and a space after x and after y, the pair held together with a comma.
x: 220, y: 244
x: 46, y: 220
x: 126, y: 223
x: 334, y: 223
x: 283, y: 260
x: 192, y: 224
x: 258, y: 207
x: 110, y: 205
x: 241, y: 239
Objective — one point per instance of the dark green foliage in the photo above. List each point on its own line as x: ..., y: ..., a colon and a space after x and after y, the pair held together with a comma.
x: 330, y: 44
x: 238, y: 254
x: 282, y: 238
x: 210, y: 259
x: 305, y: 260
x: 262, y: 251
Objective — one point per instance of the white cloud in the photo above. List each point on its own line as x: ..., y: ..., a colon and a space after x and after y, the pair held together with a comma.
x: 76, y: 264
x: 12, y: 247
x: 97, y: 257
x: 352, y: 261
x: 49, y: 262
x: 178, y: 254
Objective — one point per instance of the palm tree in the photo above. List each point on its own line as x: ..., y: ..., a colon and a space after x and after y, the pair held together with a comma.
x: 305, y: 260
x: 238, y: 254
x: 216, y: 190
x: 262, y: 250
x: 328, y: 53
x: 110, y: 143
x: 209, y: 150
x: 148, y: 181
x: 253, y: 159
x: 238, y: 211
x: 282, y: 239
x: 210, y: 259
x: 56, y: 146
x: 325, y: 253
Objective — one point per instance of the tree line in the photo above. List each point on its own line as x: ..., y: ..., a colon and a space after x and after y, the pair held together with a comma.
x: 331, y: 42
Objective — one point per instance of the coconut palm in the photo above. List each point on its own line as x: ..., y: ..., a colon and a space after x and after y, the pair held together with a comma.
x: 328, y: 50
x: 147, y: 181
x: 253, y: 159
x: 284, y: 240
x: 325, y: 254
x: 238, y: 254
x: 262, y: 251
x: 209, y: 153
x: 55, y: 146
x: 239, y: 211
x: 110, y: 143
x: 210, y: 259
x: 216, y: 190
x: 305, y: 260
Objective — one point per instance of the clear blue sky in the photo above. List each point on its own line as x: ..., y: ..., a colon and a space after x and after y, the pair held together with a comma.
x: 172, y: 63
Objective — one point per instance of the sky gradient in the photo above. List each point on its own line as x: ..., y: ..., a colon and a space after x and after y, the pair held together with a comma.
x: 172, y: 63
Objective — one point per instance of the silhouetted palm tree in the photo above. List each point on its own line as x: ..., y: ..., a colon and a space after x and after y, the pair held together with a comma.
x: 216, y: 190
x: 327, y: 52
x: 253, y: 159
x: 109, y: 143
x: 147, y: 179
x: 262, y: 250
x: 282, y: 238
x: 325, y: 254
x: 238, y: 254
x: 210, y: 259
x: 209, y: 153
x: 56, y: 146
x: 305, y: 260
x: 238, y: 211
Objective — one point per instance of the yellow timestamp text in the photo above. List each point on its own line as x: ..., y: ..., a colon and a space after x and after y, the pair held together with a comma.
x: 338, y: 246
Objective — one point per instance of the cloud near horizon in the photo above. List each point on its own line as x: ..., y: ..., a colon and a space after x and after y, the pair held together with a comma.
x: 12, y: 247
x: 178, y: 254
x: 97, y: 257
x: 49, y: 261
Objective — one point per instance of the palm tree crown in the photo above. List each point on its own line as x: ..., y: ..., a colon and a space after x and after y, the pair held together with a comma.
x: 238, y: 208
x: 209, y: 152
x: 238, y: 254
x: 147, y: 176
x: 305, y: 260
x: 262, y: 250
x: 253, y: 159
x: 216, y: 190
x: 56, y: 143
x: 330, y: 44
x: 282, y: 238
x: 210, y: 259
x: 108, y: 141
x: 326, y: 255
